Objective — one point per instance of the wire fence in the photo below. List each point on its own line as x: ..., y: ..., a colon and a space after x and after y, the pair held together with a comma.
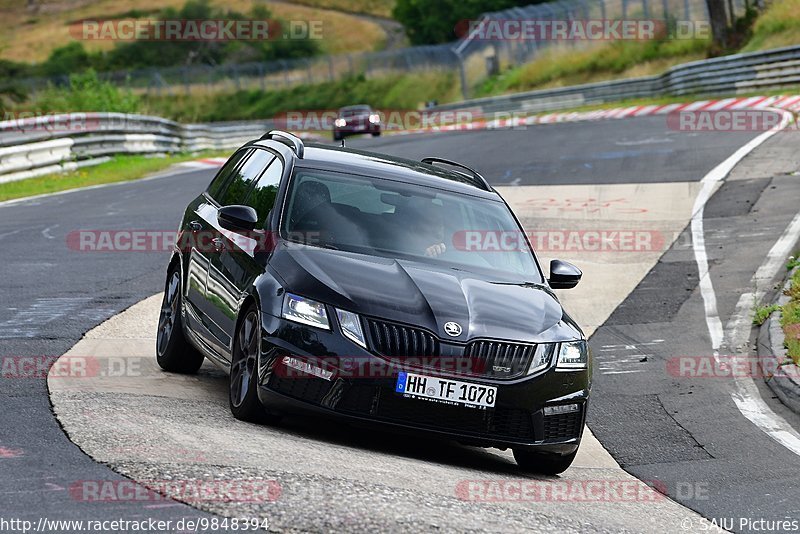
x: 473, y: 59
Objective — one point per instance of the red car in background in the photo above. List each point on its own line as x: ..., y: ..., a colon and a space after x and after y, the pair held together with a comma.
x: 353, y: 120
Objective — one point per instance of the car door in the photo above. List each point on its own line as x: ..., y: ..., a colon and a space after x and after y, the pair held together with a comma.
x: 232, y: 267
x: 197, y: 236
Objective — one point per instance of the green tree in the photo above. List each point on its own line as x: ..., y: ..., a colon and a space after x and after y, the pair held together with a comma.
x: 431, y: 22
x: 10, y: 91
x: 67, y: 59
x: 87, y: 92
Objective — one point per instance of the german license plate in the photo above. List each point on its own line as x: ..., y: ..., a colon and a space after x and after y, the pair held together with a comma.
x: 446, y: 390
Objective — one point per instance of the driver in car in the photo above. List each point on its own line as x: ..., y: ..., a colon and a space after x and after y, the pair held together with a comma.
x: 427, y: 230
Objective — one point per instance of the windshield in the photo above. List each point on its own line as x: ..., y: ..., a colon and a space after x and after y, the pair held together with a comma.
x: 404, y: 221
x: 355, y: 110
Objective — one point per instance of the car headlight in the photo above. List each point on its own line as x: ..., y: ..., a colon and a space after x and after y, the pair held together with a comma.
x: 542, y: 356
x: 351, y: 327
x: 375, y: 119
x: 305, y: 311
x: 573, y: 355
x: 339, y: 123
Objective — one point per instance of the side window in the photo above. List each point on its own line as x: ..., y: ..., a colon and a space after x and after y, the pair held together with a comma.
x: 244, y: 177
x: 215, y: 188
x: 262, y: 198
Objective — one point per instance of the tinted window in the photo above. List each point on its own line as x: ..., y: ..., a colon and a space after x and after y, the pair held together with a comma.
x: 243, y: 178
x: 262, y: 198
x: 222, y: 176
x: 355, y: 110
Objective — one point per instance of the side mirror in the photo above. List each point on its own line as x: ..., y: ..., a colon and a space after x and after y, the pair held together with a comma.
x: 564, y: 275
x: 237, y: 218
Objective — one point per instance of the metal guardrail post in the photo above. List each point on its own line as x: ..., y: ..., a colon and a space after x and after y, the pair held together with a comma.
x: 462, y: 74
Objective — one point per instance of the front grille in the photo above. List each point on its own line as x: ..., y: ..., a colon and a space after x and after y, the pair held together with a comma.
x: 306, y: 388
x: 383, y: 403
x: 499, y: 359
x: 409, y: 347
x: 562, y: 427
x: 398, y: 341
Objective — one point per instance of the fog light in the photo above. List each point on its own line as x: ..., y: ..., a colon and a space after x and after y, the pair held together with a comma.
x: 562, y: 409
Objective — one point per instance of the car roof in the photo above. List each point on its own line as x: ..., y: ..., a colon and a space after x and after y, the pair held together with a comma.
x: 338, y: 159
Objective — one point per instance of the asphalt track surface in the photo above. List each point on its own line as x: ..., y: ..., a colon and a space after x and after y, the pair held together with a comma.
x: 52, y: 295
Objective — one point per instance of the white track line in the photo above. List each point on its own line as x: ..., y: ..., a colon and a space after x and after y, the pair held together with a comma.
x: 746, y: 395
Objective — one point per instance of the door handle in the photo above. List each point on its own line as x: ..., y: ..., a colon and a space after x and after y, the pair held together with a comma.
x: 195, y: 226
x: 218, y: 244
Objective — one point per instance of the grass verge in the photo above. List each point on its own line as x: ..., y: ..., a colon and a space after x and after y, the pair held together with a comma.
x: 615, y: 60
x: 790, y: 317
x: 377, y: 8
x: 121, y: 168
x: 763, y: 313
x: 777, y: 26
x: 393, y: 91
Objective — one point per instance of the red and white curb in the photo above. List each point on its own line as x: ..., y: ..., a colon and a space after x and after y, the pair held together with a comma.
x: 789, y: 103
x: 205, y: 163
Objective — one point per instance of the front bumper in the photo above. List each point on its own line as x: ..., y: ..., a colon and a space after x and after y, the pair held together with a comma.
x: 366, y: 393
x: 355, y: 129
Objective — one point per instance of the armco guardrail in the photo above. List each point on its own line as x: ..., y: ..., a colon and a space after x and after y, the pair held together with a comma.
x: 735, y: 74
x: 43, y: 145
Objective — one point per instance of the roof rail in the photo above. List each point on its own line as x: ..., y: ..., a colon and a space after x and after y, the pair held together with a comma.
x: 479, y: 180
x: 292, y: 141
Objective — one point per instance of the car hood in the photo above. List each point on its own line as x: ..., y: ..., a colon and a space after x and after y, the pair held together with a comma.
x: 424, y: 294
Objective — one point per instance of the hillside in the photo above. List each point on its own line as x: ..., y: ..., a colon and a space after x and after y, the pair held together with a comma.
x: 29, y: 35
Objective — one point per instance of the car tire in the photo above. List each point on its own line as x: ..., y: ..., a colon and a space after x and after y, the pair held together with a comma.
x: 174, y: 353
x: 243, y: 389
x: 543, y: 463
